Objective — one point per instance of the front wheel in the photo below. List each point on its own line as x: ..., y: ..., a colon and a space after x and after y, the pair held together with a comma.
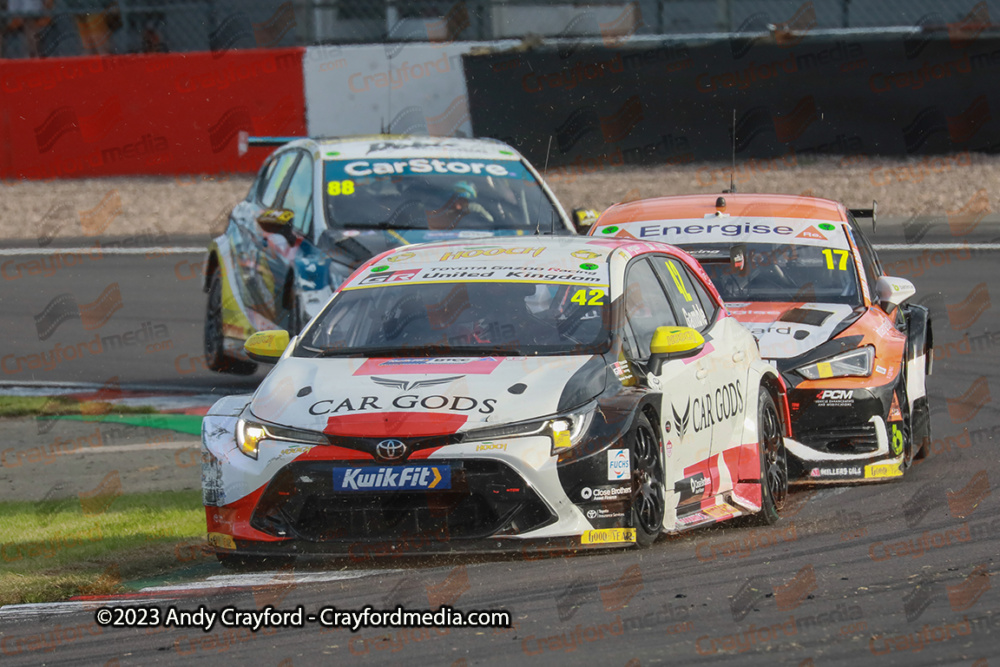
x: 773, y: 461
x: 648, y: 491
x: 215, y: 355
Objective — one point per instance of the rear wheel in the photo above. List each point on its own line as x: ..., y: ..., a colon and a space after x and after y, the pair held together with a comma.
x: 215, y: 355
x: 773, y: 461
x: 648, y: 491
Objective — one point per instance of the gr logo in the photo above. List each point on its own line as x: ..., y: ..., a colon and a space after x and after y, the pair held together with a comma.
x: 835, y: 394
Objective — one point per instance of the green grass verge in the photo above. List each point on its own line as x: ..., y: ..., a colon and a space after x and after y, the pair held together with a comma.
x: 30, y: 406
x: 51, y: 550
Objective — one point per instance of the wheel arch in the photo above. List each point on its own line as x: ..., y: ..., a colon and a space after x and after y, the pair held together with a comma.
x: 775, y: 385
x: 919, y: 334
x: 211, y: 265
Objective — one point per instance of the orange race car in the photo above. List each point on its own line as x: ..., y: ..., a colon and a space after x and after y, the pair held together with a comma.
x: 799, y: 273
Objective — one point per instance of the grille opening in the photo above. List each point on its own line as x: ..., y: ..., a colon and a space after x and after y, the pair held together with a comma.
x: 487, y: 498
x: 843, y: 439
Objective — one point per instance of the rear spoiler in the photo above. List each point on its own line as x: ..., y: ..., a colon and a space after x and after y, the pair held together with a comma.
x: 245, y: 141
x: 866, y: 213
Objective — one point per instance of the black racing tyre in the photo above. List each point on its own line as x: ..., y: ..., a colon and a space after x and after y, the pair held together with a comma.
x: 648, y: 490
x: 773, y: 460
x: 244, y: 562
x: 902, y: 431
x: 215, y: 356
x: 296, y: 320
x: 920, y: 423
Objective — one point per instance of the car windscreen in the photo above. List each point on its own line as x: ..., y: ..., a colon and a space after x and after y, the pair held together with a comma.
x: 462, y: 318
x: 781, y: 272
x: 439, y: 194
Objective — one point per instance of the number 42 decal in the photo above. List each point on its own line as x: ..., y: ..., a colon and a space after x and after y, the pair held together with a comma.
x: 596, y: 297
x: 829, y: 259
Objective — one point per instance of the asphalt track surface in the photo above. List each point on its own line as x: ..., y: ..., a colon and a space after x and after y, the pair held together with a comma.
x: 895, y: 573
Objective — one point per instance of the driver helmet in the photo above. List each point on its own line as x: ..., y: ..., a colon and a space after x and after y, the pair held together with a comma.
x: 464, y: 190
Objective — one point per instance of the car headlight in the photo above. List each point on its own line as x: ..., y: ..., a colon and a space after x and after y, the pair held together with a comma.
x: 566, y: 430
x: 856, y: 363
x: 249, y: 434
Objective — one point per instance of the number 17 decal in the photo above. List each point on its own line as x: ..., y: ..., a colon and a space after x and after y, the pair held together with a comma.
x: 829, y: 259
x: 596, y: 297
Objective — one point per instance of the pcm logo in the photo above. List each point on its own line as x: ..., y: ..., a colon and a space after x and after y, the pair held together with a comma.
x: 835, y: 394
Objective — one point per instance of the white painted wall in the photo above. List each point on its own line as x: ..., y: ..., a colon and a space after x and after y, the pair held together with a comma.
x: 403, y: 88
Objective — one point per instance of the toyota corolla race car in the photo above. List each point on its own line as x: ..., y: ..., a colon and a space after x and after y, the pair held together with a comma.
x: 551, y: 392
x: 800, y: 274
x: 321, y: 207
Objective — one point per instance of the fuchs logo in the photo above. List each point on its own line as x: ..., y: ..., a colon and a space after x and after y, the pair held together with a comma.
x: 681, y: 423
x: 390, y: 450
x: 407, y: 386
x: 619, y: 464
x: 835, y: 395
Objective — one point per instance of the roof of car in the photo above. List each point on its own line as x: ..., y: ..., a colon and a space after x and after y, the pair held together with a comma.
x: 736, y: 205
x: 555, y: 259
x: 695, y: 220
x: 408, y: 146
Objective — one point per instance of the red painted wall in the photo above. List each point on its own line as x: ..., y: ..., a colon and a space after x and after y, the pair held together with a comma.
x: 145, y: 114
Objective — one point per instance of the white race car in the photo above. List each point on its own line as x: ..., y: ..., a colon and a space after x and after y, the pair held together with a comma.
x: 539, y: 392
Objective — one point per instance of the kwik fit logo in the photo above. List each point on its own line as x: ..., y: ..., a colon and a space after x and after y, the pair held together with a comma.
x: 391, y: 478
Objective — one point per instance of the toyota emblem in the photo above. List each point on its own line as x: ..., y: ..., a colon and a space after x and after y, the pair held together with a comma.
x: 390, y: 450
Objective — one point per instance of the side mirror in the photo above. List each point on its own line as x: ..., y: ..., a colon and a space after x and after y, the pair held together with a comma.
x: 266, y: 346
x: 893, y: 291
x: 276, y: 221
x: 584, y: 219
x: 673, y: 343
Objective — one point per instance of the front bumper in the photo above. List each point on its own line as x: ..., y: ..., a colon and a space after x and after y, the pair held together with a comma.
x: 843, y: 435
x: 508, y: 495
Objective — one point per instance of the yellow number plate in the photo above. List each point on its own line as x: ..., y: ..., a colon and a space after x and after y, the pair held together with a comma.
x: 222, y: 541
x: 608, y: 536
x: 882, y: 470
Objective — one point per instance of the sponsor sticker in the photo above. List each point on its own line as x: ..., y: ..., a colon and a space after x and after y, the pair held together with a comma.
x: 492, y: 446
x: 622, y: 371
x: 897, y: 440
x: 835, y: 398
x: 842, y: 471
x: 882, y: 471
x: 601, y: 492
x: 690, y: 519
x: 380, y: 276
x: 221, y: 541
x: 748, y: 229
x: 619, y: 464
x: 391, y: 478
x: 337, y: 169
x: 608, y: 536
x: 722, y: 510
